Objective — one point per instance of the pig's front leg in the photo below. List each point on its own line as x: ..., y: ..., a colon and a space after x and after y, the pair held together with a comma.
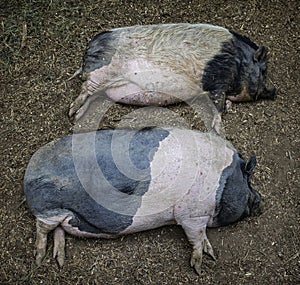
x: 195, y: 229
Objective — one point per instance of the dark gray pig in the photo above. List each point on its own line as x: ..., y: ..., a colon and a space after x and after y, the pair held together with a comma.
x: 168, y: 63
x: 115, y: 182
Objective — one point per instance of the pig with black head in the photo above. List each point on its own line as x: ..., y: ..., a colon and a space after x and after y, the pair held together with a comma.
x: 168, y: 63
x: 115, y: 182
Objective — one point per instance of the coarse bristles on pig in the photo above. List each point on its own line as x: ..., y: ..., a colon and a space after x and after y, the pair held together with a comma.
x: 115, y: 182
x: 168, y: 63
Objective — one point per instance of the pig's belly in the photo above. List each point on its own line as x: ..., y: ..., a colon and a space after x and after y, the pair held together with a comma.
x: 141, y: 223
x: 134, y: 94
x: 142, y: 82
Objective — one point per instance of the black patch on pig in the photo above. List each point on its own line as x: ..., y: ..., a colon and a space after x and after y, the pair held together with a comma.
x: 235, y: 198
x: 139, y: 145
x: 100, y: 50
x: 51, y: 183
x: 230, y: 69
x: 222, y: 74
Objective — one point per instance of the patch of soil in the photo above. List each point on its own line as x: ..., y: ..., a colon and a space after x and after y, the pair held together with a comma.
x: 41, y: 46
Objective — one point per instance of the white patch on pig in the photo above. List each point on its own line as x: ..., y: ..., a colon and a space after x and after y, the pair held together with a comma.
x: 185, y: 174
x: 150, y: 84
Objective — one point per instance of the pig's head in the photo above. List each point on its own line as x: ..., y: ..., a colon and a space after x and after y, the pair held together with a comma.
x: 251, y: 62
x: 235, y: 197
x: 257, y: 76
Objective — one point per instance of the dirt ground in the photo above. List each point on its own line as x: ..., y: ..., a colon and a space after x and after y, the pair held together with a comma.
x: 42, y: 43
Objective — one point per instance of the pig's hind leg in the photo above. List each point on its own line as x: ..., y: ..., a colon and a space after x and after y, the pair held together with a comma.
x: 195, y: 229
x: 43, y: 227
x: 90, y: 90
x: 80, y: 100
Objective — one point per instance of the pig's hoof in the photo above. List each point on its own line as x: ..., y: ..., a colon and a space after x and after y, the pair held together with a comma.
x: 79, y: 113
x: 77, y: 104
x: 41, y: 241
x: 59, y: 246
x: 39, y: 255
x: 217, y: 125
x: 78, y: 108
x: 76, y: 112
x: 72, y: 110
x: 196, y: 260
x: 207, y: 248
x: 228, y: 105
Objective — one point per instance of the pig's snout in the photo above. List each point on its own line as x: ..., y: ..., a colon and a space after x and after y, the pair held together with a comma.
x: 259, y: 210
x: 271, y: 92
x: 258, y: 206
x: 268, y: 93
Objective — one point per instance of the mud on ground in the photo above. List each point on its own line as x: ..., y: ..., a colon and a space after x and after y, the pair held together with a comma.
x: 41, y: 46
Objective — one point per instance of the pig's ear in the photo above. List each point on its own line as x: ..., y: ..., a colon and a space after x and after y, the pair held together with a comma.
x: 261, y: 54
x: 250, y: 164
